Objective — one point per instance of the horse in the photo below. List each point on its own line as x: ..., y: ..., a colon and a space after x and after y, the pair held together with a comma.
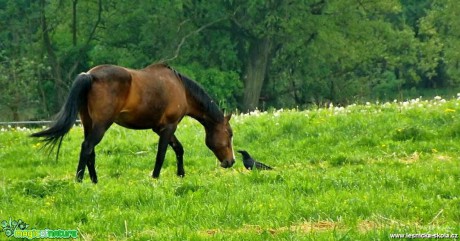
x: 156, y: 97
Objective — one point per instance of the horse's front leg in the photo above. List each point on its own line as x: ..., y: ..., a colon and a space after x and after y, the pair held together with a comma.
x: 165, y: 137
x: 179, y: 150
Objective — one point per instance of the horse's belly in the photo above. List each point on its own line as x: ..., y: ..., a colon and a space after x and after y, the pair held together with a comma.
x: 137, y: 120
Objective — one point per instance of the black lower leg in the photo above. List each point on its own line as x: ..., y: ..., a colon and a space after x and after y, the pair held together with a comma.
x: 88, y: 155
x: 179, y: 150
x: 82, y: 163
x: 91, y: 167
x: 165, y: 136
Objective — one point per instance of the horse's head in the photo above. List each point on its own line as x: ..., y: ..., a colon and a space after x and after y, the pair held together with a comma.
x: 219, y: 138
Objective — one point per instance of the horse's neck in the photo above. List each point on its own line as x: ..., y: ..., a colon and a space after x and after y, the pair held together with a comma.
x: 204, y: 119
x: 199, y: 114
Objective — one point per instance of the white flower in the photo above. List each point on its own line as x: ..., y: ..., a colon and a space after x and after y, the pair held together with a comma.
x: 256, y: 112
x: 438, y: 97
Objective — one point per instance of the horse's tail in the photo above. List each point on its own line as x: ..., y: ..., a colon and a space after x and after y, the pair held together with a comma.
x: 67, y: 116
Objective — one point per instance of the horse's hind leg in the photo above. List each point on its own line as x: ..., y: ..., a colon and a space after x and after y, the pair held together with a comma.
x: 179, y: 150
x: 87, y: 154
x: 87, y: 127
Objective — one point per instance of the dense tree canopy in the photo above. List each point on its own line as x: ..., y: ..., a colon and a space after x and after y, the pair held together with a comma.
x: 247, y: 54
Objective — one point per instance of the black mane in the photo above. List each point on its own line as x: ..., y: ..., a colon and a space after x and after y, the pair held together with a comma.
x: 200, y: 95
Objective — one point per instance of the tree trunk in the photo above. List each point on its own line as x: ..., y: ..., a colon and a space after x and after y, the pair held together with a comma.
x: 15, y: 111
x: 55, y: 65
x: 74, y: 22
x: 256, y: 69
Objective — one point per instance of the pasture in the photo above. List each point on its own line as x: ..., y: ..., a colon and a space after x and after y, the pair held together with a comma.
x: 363, y: 172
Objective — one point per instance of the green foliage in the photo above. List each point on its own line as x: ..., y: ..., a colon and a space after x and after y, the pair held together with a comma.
x: 319, y: 51
x: 223, y: 86
x: 410, y: 133
x: 22, y: 91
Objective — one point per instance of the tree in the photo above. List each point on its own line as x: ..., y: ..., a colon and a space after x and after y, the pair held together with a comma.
x: 20, y: 82
x: 440, y: 35
x: 247, y: 54
x: 22, y: 73
x: 257, y: 27
x: 67, y: 59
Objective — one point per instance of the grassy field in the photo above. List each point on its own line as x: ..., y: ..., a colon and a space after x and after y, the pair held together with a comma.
x: 363, y: 172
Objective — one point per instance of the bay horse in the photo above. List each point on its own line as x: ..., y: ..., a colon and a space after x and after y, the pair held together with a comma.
x: 156, y: 97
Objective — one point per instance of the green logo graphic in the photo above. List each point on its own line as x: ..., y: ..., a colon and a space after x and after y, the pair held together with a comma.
x: 10, y: 226
x: 19, y: 229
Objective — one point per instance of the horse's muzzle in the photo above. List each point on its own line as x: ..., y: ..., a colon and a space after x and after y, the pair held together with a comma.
x: 227, y: 163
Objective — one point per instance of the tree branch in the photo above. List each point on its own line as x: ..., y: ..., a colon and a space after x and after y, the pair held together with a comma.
x: 98, y: 20
x: 179, y: 46
x: 88, y: 40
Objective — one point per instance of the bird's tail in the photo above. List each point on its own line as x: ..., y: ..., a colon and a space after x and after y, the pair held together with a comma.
x: 262, y: 166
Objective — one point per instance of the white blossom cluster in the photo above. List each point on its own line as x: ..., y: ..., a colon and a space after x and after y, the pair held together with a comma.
x: 367, y: 107
x: 331, y: 109
x: 17, y: 128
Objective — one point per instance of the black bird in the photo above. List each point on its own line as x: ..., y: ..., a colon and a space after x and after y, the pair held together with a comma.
x: 250, y: 163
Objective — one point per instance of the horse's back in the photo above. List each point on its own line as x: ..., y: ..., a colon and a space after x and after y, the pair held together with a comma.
x: 112, y: 72
x: 164, y: 98
x: 148, y: 98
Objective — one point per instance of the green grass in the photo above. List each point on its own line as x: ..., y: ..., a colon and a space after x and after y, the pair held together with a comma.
x: 356, y: 173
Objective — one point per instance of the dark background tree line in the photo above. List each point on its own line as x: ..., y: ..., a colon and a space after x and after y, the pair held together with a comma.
x: 247, y: 54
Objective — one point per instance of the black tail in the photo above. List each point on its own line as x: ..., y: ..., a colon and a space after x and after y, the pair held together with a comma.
x: 262, y: 166
x: 67, y: 116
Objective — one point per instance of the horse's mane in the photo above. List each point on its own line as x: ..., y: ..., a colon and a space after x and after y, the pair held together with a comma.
x: 204, y: 100
x: 200, y: 95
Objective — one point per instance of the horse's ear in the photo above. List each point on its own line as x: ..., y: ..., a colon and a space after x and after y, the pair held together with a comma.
x: 228, y: 117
